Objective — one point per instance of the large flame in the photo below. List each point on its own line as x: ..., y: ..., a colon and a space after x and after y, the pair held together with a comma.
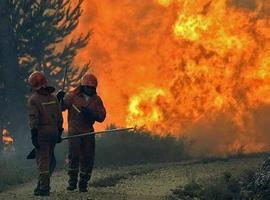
x: 199, y: 68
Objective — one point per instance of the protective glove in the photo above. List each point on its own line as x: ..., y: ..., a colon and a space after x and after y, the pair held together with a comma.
x: 34, y: 138
x: 60, y: 95
x: 88, y: 113
x: 59, y: 136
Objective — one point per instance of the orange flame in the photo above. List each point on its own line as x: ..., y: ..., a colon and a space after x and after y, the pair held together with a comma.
x: 143, y: 109
x: 6, y: 138
x: 198, y: 68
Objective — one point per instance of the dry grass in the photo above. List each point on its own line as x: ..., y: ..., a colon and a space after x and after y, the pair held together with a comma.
x: 144, y: 182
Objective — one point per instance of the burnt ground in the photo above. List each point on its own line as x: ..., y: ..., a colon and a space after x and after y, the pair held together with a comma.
x: 142, y: 182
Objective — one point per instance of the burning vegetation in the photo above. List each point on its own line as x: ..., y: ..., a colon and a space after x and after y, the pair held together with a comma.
x: 7, y: 141
x: 6, y: 138
x: 198, y: 68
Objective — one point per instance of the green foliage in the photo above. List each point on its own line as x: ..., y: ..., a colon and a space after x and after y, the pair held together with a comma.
x: 109, y: 181
x: 222, y: 188
x: 41, y: 29
x: 114, y: 179
x: 211, y: 159
x: 126, y: 148
x: 256, y: 184
x: 248, y: 188
x: 192, y: 190
x: 226, y: 188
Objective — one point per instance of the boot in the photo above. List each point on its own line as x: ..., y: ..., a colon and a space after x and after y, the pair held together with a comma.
x: 72, y: 187
x: 43, y: 188
x: 36, y: 190
x: 84, y: 178
x: 83, y: 186
x: 73, y: 179
x: 44, y: 193
x: 83, y: 189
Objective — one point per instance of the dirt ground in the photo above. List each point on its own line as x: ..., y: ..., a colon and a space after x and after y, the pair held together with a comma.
x: 143, y: 182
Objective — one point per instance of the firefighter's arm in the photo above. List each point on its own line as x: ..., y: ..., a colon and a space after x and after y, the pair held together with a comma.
x: 96, y: 111
x: 67, y: 102
x: 101, y: 111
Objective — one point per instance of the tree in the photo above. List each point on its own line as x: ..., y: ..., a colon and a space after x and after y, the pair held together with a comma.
x: 8, y: 68
x: 36, y: 35
x: 41, y: 27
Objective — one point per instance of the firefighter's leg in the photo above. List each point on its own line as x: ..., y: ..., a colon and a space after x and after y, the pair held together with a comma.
x: 86, y: 161
x: 74, y: 154
x: 43, y: 162
x: 52, y: 161
x: 52, y: 166
x: 37, y: 189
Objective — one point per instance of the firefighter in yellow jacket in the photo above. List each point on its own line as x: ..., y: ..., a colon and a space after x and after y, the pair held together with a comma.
x: 46, y: 122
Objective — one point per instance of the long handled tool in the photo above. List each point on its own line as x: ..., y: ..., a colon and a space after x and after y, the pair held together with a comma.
x: 64, y: 82
x: 32, y: 154
x: 65, y: 78
x: 97, y: 132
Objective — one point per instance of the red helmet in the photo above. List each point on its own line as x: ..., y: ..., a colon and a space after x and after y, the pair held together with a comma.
x: 37, y: 80
x: 89, y: 80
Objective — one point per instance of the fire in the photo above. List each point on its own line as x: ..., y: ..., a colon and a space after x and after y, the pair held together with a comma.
x: 6, y: 138
x: 164, y: 2
x: 143, y: 109
x: 190, y: 27
x: 198, y: 68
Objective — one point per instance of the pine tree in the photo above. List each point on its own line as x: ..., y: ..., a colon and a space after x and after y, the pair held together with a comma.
x: 41, y: 27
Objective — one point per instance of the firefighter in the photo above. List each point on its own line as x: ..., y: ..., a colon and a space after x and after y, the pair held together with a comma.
x: 46, y: 122
x: 84, y: 107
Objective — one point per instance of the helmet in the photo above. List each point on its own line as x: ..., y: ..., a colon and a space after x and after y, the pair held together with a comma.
x: 37, y: 80
x: 89, y: 80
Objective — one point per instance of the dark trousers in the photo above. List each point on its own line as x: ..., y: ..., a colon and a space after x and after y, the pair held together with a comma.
x: 46, y: 164
x: 81, y: 159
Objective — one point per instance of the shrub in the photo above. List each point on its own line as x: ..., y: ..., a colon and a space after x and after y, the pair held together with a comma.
x: 126, y: 148
x: 223, y: 188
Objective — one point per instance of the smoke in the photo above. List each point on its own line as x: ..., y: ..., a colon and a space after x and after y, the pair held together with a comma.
x: 209, y: 58
x: 247, y: 4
